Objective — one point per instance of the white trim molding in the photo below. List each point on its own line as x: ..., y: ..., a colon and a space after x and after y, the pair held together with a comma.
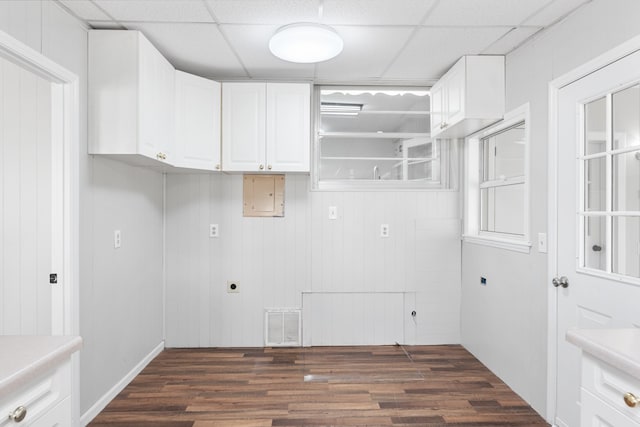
x: 627, y: 48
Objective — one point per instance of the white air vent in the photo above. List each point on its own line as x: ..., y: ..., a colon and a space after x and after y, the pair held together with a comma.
x: 282, y: 327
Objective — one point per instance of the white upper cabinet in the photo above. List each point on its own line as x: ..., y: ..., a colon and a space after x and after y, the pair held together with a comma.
x: 244, y: 126
x: 266, y: 127
x: 288, y: 127
x: 198, y: 103
x: 469, y: 97
x: 131, y: 97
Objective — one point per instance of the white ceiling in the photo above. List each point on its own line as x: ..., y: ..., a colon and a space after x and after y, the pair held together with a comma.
x: 386, y: 41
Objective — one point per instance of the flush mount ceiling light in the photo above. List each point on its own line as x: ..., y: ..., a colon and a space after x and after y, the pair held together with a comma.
x: 305, y: 43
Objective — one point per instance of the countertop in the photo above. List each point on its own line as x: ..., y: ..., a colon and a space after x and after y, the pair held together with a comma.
x: 618, y: 347
x: 23, y: 358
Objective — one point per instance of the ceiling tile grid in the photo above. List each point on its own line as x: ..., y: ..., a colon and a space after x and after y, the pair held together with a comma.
x: 279, y: 12
x: 196, y: 48
x: 156, y: 10
x: 86, y: 10
x: 483, y: 12
x: 375, y: 12
x: 433, y: 50
x: 385, y: 40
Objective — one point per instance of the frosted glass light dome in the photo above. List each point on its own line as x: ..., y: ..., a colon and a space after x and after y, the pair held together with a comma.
x: 306, y: 43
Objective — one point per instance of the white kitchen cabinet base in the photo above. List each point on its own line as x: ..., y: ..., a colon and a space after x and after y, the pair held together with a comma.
x: 610, y: 368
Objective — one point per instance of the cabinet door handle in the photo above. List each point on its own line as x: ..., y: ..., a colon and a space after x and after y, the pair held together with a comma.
x: 218, y: 166
x: 269, y: 167
x: 261, y: 167
x: 18, y: 414
x: 631, y: 400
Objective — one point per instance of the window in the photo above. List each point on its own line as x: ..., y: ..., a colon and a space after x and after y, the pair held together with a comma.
x: 609, y: 164
x: 496, y: 185
x: 377, y: 138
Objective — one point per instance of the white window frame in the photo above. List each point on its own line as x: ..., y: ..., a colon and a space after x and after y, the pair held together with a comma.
x: 472, y: 184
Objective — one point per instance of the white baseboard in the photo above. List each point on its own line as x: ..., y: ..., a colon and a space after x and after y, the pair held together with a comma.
x: 102, y: 403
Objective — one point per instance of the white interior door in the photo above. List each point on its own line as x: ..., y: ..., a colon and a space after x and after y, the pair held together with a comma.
x: 598, y: 215
x: 26, y: 194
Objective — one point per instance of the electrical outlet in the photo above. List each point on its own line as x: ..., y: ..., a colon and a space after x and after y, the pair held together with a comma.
x: 333, y: 212
x: 214, y: 230
x: 384, y: 230
x: 117, y: 239
x: 483, y: 281
x: 233, y: 287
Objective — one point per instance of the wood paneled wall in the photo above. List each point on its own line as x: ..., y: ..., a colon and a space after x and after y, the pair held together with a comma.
x: 25, y: 197
x: 340, y: 264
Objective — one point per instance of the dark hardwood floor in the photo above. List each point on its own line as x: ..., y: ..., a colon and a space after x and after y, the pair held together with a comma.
x: 327, y: 386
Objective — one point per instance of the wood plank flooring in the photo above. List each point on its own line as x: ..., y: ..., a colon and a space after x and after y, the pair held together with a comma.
x: 319, y: 386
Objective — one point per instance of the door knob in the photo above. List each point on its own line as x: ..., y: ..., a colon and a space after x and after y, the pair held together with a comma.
x: 560, y: 281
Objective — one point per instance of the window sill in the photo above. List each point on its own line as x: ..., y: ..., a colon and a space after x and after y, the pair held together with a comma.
x: 508, y: 244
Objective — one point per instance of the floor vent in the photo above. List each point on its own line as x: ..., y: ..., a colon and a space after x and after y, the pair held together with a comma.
x: 283, y: 327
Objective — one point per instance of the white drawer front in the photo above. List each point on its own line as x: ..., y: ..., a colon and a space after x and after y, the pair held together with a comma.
x: 596, y: 413
x: 60, y: 416
x: 39, y: 396
x: 610, y: 384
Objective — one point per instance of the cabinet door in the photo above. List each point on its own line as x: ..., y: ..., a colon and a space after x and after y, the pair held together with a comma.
x: 156, y: 102
x: 288, y: 127
x: 243, y: 126
x: 437, y: 108
x: 455, y: 94
x: 197, y: 142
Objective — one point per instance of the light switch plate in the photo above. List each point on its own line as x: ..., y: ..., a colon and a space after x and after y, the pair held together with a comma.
x: 542, y: 243
x: 214, y: 230
x: 333, y: 212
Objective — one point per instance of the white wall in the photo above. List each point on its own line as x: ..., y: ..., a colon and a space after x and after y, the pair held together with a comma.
x: 120, y: 291
x: 504, y: 324
x: 276, y: 259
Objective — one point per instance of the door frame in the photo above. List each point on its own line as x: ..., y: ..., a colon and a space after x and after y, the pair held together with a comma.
x: 65, y: 142
x: 627, y: 48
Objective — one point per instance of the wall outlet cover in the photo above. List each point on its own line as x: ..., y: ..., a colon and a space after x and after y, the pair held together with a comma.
x: 117, y: 239
x: 214, y: 230
x: 384, y: 230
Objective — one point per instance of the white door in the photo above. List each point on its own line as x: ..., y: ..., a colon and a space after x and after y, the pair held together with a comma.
x: 30, y: 218
x: 598, y: 215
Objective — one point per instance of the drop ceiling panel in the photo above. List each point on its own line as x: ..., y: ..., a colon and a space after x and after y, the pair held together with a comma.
x: 555, y: 10
x: 157, y: 10
x: 433, y: 50
x: 278, y: 12
x: 251, y: 43
x: 85, y: 9
x: 375, y: 12
x: 367, y: 52
x: 511, y: 40
x: 483, y: 12
x: 195, y: 48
